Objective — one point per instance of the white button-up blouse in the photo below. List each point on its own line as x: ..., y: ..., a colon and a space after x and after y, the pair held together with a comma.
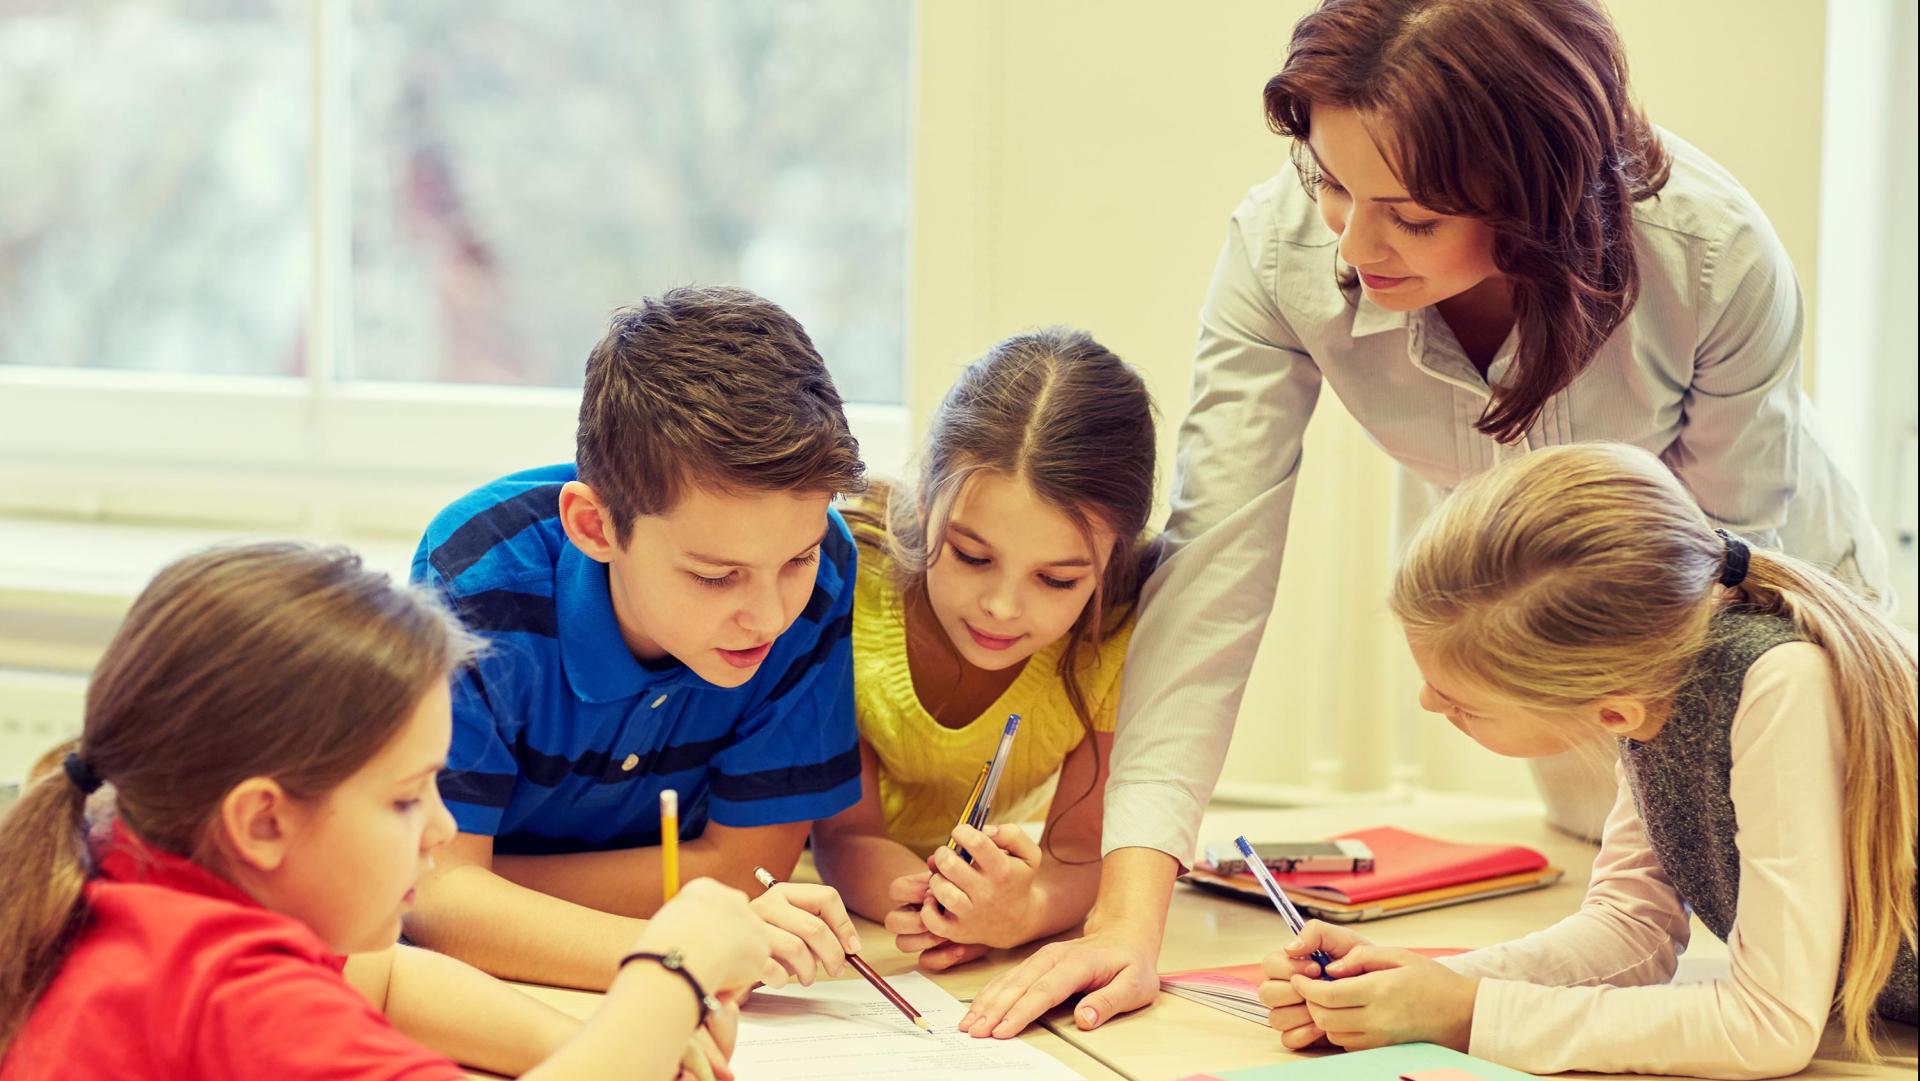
x: 1704, y: 371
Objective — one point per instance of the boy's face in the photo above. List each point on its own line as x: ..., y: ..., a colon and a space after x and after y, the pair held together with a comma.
x: 713, y: 581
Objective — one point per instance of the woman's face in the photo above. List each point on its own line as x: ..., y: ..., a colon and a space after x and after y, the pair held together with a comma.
x: 1408, y: 257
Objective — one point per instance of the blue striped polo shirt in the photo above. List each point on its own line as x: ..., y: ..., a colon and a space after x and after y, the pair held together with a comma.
x: 563, y: 739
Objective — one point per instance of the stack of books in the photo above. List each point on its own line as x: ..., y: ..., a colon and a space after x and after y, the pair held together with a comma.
x: 1411, y: 873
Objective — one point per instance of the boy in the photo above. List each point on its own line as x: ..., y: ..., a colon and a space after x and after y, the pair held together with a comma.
x: 672, y: 612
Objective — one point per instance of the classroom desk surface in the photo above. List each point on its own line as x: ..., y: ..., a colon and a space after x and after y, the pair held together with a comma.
x: 1174, y: 1038
x: 582, y: 1003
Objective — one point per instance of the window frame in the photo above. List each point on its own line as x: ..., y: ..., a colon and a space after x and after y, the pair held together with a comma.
x: 286, y: 452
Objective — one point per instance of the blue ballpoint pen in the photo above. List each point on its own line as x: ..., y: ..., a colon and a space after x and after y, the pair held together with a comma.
x: 1281, y: 901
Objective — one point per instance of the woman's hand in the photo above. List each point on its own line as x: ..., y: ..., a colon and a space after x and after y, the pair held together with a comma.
x: 989, y: 901
x: 1381, y: 995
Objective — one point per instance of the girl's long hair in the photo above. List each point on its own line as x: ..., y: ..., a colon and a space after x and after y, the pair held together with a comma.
x: 1061, y: 412
x: 1514, y: 112
x: 275, y: 660
x: 1581, y: 572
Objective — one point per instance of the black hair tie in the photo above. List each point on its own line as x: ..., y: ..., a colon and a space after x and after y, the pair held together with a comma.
x: 81, y: 774
x: 1734, y: 570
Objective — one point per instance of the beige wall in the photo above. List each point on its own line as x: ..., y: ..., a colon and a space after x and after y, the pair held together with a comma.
x: 1076, y: 163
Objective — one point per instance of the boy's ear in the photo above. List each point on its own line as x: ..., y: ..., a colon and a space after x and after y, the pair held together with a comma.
x: 256, y: 824
x: 1620, y: 716
x: 587, y: 522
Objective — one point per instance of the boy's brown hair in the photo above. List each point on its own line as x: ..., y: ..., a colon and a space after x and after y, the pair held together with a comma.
x: 712, y: 386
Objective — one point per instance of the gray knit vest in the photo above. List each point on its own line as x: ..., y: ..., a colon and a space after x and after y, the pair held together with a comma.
x: 1682, y: 786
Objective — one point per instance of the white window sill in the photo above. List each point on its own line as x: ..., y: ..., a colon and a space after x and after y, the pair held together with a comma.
x: 66, y: 584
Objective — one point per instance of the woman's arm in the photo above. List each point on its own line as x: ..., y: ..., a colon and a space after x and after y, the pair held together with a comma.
x: 854, y: 854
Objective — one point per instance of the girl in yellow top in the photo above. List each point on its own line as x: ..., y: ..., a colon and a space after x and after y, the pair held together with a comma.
x: 1004, y: 581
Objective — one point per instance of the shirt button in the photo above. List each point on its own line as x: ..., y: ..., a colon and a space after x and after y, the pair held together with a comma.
x: 632, y: 760
x: 658, y: 702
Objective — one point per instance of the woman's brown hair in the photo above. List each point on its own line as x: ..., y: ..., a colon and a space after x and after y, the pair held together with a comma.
x: 276, y: 660
x: 1061, y: 412
x: 1513, y: 112
x: 1580, y: 572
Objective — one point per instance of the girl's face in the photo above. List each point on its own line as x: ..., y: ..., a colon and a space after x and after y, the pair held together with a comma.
x: 353, y: 855
x: 1011, y: 574
x: 1494, y: 722
x: 1407, y: 256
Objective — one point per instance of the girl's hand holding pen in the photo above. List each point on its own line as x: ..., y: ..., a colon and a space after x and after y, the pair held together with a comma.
x: 1380, y: 995
x: 990, y: 900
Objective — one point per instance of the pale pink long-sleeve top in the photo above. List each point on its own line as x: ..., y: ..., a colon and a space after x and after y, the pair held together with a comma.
x: 1592, y: 992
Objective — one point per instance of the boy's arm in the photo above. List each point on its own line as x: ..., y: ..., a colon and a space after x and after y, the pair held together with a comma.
x: 627, y: 881
x: 464, y: 909
x: 854, y: 853
x: 460, y: 1011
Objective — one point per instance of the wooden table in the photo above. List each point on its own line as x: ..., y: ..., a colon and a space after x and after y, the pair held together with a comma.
x: 1174, y: 1038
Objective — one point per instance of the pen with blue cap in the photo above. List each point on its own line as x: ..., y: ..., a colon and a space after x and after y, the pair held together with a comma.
x: 1281, y: 901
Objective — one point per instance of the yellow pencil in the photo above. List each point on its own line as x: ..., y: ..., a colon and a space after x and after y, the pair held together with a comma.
x: 669, y: 844
x: 973, y: 799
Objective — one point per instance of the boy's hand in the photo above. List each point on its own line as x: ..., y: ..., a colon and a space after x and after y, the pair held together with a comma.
x: 1287, y: 1012
x: 810, y: 928
x: 1382, y: 995
x: 989, y: 901
x: 908, y: 893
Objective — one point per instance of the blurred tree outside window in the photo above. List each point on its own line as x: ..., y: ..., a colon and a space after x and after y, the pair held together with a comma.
x: 516, y: 169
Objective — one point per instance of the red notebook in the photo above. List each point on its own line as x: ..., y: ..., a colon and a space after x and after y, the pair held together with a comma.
x: 1409, y: 863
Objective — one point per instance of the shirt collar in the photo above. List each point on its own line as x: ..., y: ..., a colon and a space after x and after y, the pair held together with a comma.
x: 127, y: 857
x: 1371, y: 318
x: 593, y: 653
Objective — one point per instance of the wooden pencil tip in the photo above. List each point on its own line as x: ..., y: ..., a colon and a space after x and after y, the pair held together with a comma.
x: 922, y: 1023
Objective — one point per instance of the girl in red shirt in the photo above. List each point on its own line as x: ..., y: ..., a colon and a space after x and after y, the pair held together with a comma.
x: 253, y: 796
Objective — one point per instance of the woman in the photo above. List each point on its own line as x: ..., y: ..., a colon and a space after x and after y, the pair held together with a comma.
x: 1487, y: 249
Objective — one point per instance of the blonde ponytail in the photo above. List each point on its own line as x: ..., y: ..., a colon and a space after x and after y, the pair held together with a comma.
x: 1873, y: 664
x: 43, y: 851
x: 1579, y: 572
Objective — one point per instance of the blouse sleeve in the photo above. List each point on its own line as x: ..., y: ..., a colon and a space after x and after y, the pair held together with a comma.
x: 1739, y: 451
x: 1203, y: 612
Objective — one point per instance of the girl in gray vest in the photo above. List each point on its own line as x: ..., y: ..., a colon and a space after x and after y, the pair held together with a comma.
x: 1765, y: 723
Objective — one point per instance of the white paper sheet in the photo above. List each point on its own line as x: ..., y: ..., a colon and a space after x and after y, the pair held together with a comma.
x: 845, y: 1029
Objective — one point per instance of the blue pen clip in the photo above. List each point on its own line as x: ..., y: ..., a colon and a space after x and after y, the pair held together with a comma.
x: 1281, y: 902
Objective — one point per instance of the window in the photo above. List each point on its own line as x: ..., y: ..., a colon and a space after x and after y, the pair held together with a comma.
x: 381, y: 236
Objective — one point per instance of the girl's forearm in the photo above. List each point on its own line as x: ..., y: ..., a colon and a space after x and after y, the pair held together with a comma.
x: 469, y: 1016
x: 1062, y: 895
x: 862, y: 866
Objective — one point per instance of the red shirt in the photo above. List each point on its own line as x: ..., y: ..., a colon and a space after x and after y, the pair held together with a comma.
x: 179, y: 974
